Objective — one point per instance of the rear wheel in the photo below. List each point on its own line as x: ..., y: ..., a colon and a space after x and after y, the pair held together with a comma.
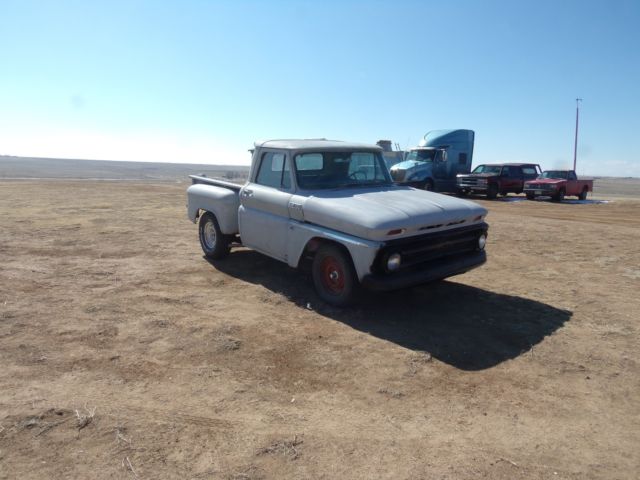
x: 334, y: 277
x: 492, y: 191
x: 584, y: 193
x: 214, y: 243
x: 530, y: 196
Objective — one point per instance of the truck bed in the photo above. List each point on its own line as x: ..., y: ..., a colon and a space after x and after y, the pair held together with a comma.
x: 197, y: 179
x: 220, y: 197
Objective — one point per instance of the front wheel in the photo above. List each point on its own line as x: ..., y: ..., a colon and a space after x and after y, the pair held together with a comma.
x: 214, y: 243
x: 492, y: 191
x: 428, y: 186
x: 334, y: 277
x: 558, y: 197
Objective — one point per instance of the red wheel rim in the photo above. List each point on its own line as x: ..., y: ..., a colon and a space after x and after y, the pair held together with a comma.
x: 332, y: 275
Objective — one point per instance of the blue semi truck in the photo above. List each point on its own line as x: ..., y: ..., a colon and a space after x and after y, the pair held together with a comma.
x: 435, y: 162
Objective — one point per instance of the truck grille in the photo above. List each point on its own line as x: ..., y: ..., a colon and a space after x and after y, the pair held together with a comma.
x: 540, y: 186
x: 468, y: 181
x: 418, y: 251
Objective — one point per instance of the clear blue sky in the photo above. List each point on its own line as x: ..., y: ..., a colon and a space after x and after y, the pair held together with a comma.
x: 201, y: 80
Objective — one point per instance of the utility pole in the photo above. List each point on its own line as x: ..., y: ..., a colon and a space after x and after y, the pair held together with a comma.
x: 575, y: 144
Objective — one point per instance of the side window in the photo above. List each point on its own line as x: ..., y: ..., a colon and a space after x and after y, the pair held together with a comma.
x: 530, y: 171
x: 516, y: 172
x: 462, y: 159
x: 572, y: 176
x: 274, y: 171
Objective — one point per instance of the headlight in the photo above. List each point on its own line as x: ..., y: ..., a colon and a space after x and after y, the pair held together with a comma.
x: 393, y: 262
x: 482, y: 241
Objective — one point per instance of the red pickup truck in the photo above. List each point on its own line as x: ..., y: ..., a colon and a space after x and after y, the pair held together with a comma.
x: 558, y: 184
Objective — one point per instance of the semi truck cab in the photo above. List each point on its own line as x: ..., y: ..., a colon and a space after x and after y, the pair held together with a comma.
x: 435, y: 162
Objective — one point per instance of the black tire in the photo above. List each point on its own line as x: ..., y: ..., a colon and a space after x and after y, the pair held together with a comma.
x: 428, y: 186
x: 214, y: 243
x: 558, y: 197
x: 334, y: 277
x: 584, y: 193
x: 492, y: 191
x: 531, y: 196
x: 504, y: 194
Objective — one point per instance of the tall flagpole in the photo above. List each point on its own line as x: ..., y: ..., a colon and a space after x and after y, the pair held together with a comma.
x: 575, y: 144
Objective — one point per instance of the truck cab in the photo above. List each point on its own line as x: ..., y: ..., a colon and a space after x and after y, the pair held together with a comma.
x: 435, y: 162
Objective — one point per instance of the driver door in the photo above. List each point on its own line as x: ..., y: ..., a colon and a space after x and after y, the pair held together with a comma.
x: 440, y: 165
x: 263, y: 216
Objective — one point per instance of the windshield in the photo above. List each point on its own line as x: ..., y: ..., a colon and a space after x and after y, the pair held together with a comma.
x: 321, y: 170
x: 421, y: 155
x: 488, y: 169
x: 554, y: 174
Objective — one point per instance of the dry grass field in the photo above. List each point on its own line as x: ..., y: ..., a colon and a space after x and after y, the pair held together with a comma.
x: 125, y: 354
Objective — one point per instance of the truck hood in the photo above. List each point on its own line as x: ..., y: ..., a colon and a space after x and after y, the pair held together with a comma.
x: 547, y: 181
x: 476, y: 175
x: 370, y: 213
x: 407, y: 165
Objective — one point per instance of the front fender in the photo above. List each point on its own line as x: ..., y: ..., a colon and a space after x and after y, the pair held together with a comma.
x: 363, y: 252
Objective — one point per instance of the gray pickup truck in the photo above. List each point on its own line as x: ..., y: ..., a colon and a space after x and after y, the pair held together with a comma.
x: 333, y: 206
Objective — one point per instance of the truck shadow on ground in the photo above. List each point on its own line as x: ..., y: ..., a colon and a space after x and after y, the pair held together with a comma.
x: 467, y: 327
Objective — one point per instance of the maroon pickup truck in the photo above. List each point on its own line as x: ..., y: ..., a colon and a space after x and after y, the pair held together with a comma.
x: 502, y: 178
x: 558, y: 184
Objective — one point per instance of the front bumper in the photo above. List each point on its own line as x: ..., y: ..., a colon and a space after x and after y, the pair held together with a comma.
x: 436, y: 270
x: 539, y: 191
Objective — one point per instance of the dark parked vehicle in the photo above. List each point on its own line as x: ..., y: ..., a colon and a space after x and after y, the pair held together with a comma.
x: 501, y: 178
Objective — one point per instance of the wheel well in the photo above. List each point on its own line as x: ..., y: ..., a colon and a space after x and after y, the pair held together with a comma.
x: 312, y: 246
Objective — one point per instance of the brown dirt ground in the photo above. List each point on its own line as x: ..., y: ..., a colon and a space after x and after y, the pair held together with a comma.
x: 125, y: 354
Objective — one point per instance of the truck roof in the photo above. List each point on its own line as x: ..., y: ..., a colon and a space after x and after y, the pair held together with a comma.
x: 510, y: 164
x: 315, y: 144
